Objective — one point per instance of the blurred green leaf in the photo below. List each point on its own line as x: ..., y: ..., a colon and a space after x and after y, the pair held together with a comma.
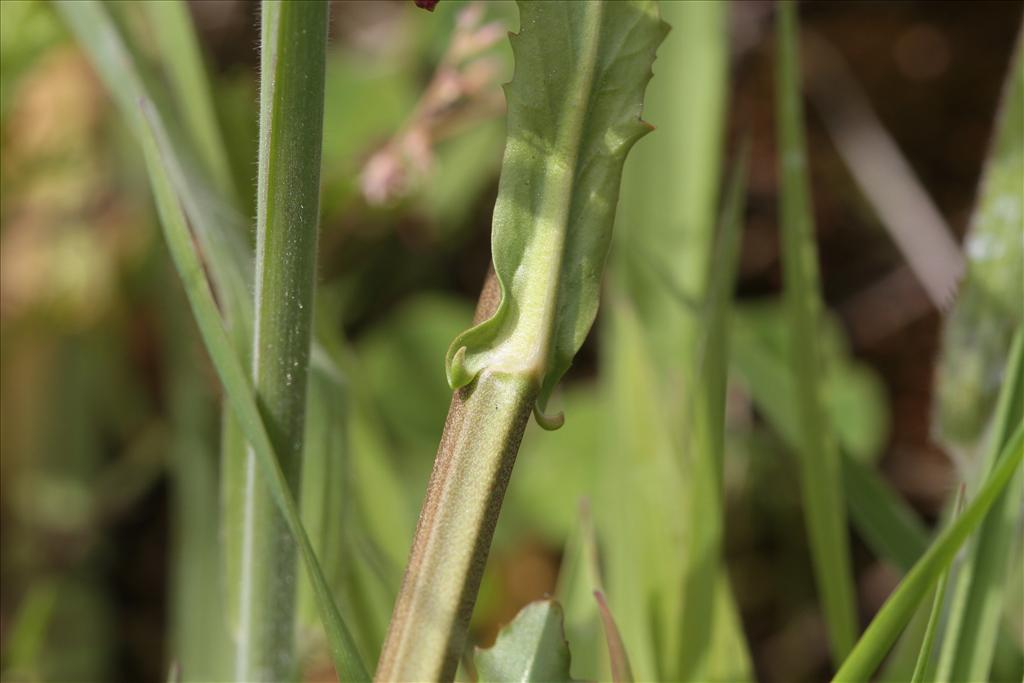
x: 27, y: 29
x: 531, y: 648
x: 398, y: 357
x: 979, y: 601
x: 26, y: 641
x: 916, y: 585
x: 555, y: 470
x: 762, y: 354
x: 578, y: 578
x: 95, y: 31
x: 887, y: 523
x: 200, y: 645
x: 820, y: 472
x: 181, y: 57
x: 637, y: 508
x: 977, y: 333
x: 680, y: 283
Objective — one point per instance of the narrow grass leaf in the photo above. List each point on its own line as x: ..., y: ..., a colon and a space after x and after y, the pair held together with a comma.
x: 238, y: 389
x: 703, y: 440
x: 890, y: 527
x: 182, y: 59
x: 928, y: 640
x: 984, y: 334
x: 885, y: 628
x: 978, y: 604
x: 821, y: 474
x: 761, y: 353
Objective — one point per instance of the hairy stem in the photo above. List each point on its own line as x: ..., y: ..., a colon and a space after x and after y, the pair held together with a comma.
x: 294, y: 39
x: 474, y: 462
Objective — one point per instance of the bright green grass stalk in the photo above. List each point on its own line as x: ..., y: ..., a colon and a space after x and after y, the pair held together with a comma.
x: 932, y: 627
x: 885, y: 628
x: 573, y: 114
x: 977, y: 605
x: 821, y: 476
x: 294, y: 41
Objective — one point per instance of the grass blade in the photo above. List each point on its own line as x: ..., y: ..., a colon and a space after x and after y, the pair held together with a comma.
x: 925, y: 653
x: 899, y: 608
x: 239, y: 390
x: 885, y: 521
x: 987, y: 316
x: 890, y: 527
x: 182, y: 58
x: 671, y: 192
x: 821, y: 475
x: 180, y: 202
x: 978, y: 604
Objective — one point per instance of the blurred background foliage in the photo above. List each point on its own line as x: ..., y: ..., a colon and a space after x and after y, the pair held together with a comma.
x: 110, y: 534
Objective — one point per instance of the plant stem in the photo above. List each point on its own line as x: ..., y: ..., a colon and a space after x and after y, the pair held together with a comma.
x: 294, y: 39
x: 474, y: 462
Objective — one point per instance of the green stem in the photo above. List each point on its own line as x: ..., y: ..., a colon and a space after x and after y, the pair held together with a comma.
x: 294, y: 40
x: 474, y: 462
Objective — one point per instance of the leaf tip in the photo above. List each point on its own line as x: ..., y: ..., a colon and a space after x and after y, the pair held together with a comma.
x: 548, y: 422
x: 456, y: 370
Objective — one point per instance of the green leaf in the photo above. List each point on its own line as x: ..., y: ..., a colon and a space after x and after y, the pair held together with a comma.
x: 885, y: 628
x: 762, y: 355
x: 182, y: 58
x: 977, y: 334
x: 183, y: 201
x: 201, y: 645
x: 574, y: 108
x: 887, y: 523
x: 821, y: 476
x: 928, y: 639
x: 978, y: 603
x: 680, y: 281
x: 638, y: 510
x: 239, y: 390
x: 531, y: 648
x: 578, y: 578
